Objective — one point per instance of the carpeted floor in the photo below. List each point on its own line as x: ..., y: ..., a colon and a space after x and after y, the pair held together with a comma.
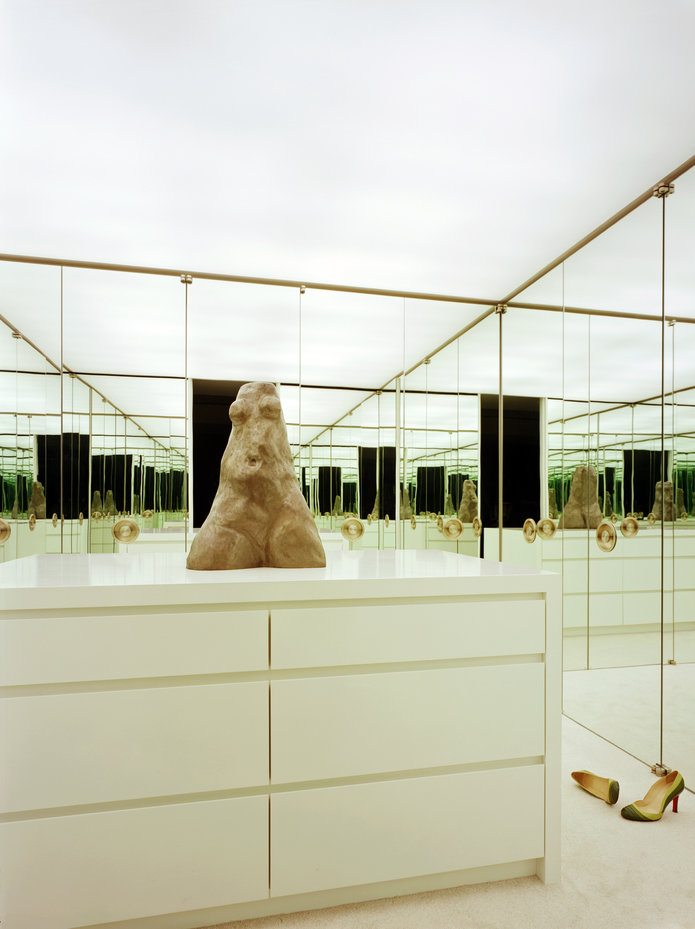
x: 616, y: 874
x: 622, y: 705
x: 627, y: 648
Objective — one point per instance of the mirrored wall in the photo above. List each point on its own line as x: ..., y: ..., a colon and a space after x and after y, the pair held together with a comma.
x: 116, y: 386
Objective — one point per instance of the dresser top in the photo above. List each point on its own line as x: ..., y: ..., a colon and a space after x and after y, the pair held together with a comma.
x: 65, y: 581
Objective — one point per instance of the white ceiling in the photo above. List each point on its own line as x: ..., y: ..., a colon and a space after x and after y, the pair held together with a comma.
x: 452, y: 147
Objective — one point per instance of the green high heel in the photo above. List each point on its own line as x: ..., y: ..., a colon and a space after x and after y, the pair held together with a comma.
x: 602, y: 787
x: 657, y: 798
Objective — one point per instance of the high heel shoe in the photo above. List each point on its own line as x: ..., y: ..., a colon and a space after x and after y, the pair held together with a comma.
x: 602, y: 787
x: 657, y: 798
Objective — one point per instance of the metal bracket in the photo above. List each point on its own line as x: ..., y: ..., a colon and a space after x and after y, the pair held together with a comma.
x: 671, y: 323
x: 302, y: 288
x: 671, y: 661
x: 501, y: 308
x: 16, y: 335
x: 663, y: 190
x: 660, y: 769
x: 186, y: 278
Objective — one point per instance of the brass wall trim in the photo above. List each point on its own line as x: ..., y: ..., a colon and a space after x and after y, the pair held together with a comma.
x: 588, y: 311
x: 186, y: 277
x: 492, y: 305
x: 621, y: 214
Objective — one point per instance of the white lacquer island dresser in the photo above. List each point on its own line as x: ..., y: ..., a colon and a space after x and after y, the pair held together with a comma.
x: 185, y: 748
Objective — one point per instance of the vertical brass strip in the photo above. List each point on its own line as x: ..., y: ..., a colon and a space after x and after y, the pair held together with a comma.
x: 588, y: 496
x: 674, y: 476
x: 500, y: 442
x: 186, y: 501
x: 663, y: 479
x: 561, y: 508
x: 62, y: 426
x: 270, y: 665
x: 89, y: 476
x: 270, y: 745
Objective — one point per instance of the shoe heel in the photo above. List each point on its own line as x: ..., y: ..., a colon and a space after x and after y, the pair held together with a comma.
x: 662, y: 792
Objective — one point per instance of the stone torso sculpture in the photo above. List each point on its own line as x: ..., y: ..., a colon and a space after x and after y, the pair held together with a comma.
x: 663, y: 499
x: 109, y: 504
x: 468, y: 510
x: 37, y: 504
x: 552, y: 503
x: 680, y: 502
x: 608, y: 505
x: 406, y: 508
x: 582, y: 509
x: 259, y: 517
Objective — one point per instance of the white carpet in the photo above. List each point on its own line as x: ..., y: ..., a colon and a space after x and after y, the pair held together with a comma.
x: 626, y: 648
x: 622, y: 705
x: 616, y: 874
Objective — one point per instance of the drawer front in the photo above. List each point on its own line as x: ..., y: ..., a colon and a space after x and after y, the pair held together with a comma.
x: 359, y: 834
x: 605, y: 609
x: 40, y: 651
x: 642, y: 573
x: 355, y: 635
x: 604, y: 576
x: 641, y: 607
x: 574, y: 608
x: 68, y: 871
x: 685, y: 606
x: 684, y: 572
x: 362, y: 724
x: 67, y: 749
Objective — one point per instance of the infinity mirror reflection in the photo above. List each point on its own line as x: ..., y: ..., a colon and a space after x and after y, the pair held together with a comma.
x: 116, y: 388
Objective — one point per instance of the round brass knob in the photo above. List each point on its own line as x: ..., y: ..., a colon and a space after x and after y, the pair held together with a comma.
x: 614, y: 518
x: 651, y: 519
x: 125, y: 530
x: 81, y: 518
x: 32, y: 522
x: 629, y: 527
x: 529, y: 530
x: 5, y: 531
x: 546, y: 528
x: 386, y: 521
x: 352, y: 529
x: 606, y: 536
x: 452, y: 528
x: 54, y: 520
x: 440, y: 524
x: 477, y: 527
x: 413, y: 522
